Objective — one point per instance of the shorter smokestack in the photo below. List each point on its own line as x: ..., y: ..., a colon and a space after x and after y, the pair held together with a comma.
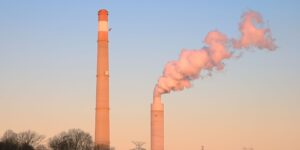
x: 157, y: 124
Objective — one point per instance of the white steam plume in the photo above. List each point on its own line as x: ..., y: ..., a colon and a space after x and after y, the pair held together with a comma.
x: 177, y: 74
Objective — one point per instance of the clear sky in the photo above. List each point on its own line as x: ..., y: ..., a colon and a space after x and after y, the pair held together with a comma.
x: 48, y: 67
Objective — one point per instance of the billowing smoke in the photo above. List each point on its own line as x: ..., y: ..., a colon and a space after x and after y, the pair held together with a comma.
x: 253, y: 36
x: 178, y: 74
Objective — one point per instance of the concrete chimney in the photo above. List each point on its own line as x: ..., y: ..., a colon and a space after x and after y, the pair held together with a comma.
x: 157, y: 124
x: 102, y: 133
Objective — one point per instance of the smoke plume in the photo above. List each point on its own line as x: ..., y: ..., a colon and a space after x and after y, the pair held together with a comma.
x: 178, y: 74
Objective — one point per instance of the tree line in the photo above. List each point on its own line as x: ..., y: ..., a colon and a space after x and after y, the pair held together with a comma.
x: 73, y: 139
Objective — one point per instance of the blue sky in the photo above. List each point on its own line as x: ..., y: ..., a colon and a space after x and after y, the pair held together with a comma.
x: 48, y: 66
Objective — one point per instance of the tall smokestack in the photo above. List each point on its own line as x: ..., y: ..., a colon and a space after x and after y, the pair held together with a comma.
x: 157, y: 124
x: 102, y: 136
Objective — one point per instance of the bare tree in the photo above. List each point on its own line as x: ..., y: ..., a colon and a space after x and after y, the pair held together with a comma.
x: 9, y: 136
x: 9, y: 141
x: 22, y: 141
x: 138, y: 145
x: 30, y: 138
x: 74, y: 139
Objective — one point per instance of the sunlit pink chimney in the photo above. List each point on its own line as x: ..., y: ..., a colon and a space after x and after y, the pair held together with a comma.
x: 157, y: 124
x: 102, y: 133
